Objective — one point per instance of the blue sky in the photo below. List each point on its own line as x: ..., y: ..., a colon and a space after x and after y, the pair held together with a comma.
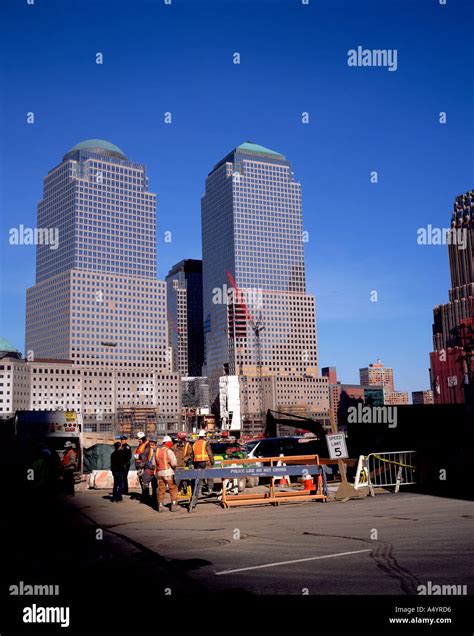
x: 178, y: 58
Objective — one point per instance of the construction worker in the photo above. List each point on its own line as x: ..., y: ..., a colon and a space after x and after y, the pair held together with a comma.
x: 149, y: 470
x: 127, y: 458
x: 203, y: 456
x: 183, y: 452
x: 117, y: 461
x: 140, y: 460
x: 68, y: 466
x: 41, y: 483
x: 165, y: 463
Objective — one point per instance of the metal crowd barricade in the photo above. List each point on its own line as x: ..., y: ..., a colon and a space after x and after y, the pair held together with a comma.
x: 361, y: 477
x: 278, y: 467
x: 394, y: 468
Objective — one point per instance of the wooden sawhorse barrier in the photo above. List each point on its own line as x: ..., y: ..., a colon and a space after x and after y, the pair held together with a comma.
x: 239, y: 468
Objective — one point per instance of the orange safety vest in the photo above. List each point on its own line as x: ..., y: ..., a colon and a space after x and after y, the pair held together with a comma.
x: 187, y: 450
x: 66, y: 457
x: 200, y: 451
x: 139, y: 450
x: 162, y: 458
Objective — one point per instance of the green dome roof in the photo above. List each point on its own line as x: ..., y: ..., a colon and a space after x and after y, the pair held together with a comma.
x: 98, y: 145
x: 7, y: 346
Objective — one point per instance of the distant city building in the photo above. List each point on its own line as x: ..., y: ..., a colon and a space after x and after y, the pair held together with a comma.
x: 371, y: 395
x: 342, y: 395
x: 396, y: 398
x: 377, y: 374
x: 422, y: 397
x: 300, y: 396
x: 99, y: 394
x: 259, y: 321
x: 195, y: 392
x: 453, y: 326
x: 185, y: 323
x: 334, y: 389
x: 14, y: 380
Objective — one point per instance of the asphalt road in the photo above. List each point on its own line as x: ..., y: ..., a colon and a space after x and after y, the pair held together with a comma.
x: 387, y: 545
x: 303, y: 561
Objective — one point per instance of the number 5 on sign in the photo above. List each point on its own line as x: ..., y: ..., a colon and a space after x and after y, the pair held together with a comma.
x: 337, y: 446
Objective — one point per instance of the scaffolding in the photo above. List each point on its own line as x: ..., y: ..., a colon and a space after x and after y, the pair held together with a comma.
x: 131, y: 419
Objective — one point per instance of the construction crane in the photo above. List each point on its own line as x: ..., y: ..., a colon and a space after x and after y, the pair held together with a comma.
x: 257, y: 327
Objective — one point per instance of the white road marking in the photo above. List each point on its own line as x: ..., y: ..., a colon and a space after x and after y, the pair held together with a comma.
x: 273, y: 565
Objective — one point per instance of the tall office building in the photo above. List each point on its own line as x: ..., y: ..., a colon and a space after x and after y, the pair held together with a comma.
x: 453, y: 343
x: 448, y: 317
x: 185, y: 326
x: 259, y: 322
x: 97, y: 300
x: 97, y: 304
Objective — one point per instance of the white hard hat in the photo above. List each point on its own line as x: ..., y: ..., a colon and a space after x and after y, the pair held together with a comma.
x: 167, y: 438
x: 202, y: 433
x: 68, y: 445
x: 140, y: 434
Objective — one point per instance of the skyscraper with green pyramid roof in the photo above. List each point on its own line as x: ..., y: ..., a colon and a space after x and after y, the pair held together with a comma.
x: 259, y: 320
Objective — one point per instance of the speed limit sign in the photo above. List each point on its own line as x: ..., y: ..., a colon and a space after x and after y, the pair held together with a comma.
x: 337, y: 446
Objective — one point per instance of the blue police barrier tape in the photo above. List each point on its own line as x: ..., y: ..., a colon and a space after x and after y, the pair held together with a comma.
x: 258, y: 471
x: 197, y: 475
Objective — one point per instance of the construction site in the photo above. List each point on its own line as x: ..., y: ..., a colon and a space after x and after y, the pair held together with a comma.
x: 236, y: 371
x: 289, y: 518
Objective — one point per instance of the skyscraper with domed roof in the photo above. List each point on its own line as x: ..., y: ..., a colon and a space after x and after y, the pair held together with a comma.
x: 97, y: 300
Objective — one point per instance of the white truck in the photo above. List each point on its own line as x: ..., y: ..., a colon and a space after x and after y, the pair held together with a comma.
x: 29, y: 429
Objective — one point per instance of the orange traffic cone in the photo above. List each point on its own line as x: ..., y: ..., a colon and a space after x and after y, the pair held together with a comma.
x: 308, y: 482
x: 320, y: 484
x: 283, y: 480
